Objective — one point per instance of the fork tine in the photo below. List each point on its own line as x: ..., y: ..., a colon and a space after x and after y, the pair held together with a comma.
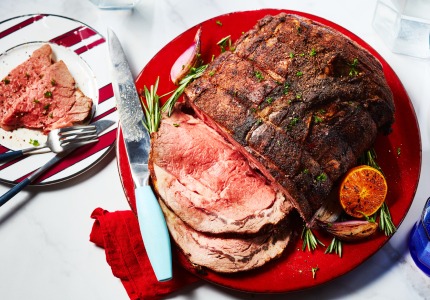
x: 76, y: 128
x: 69, y: 136
x: 75, y: 131
x: 77, y: 144
x: 78, y: 138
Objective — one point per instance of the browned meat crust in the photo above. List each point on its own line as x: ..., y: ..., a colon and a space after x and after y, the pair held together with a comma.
x: 300, y: 100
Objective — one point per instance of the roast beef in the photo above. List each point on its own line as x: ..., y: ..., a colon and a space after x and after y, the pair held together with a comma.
x: 17, y: 80
x: 227, y: 255
x: 301, y: 101
x: 207, y: 183
x: 44, y: 95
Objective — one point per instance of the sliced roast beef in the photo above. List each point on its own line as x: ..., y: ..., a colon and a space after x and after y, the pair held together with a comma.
x: 300, y: 101
x: 227, y: 255
x: 40, y: 94
x: 209, y: 184
x: 51, y: 102
x: 16, y: 82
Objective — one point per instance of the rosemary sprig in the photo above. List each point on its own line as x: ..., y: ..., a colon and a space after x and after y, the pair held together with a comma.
x: 314, y: 272
x: 170, y: 103
x: 334, y: 247
x: 369, y: 158
x: 151, y: 108
x: 224, y: 42
x: 385, y: 221
x: 310, y: 241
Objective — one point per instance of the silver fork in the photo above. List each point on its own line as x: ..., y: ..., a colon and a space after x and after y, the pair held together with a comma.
x: 60, y: 140
x: 63, y: 141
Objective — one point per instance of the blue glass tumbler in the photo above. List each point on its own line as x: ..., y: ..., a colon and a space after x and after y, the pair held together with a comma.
x: 419, y: 240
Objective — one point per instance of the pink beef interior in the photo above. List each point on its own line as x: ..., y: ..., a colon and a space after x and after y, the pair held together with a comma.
x: 42, y: 95
x: 209, y: 184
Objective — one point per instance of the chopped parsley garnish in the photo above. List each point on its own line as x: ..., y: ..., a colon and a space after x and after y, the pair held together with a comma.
x: 259, y: 76
x: 293, y: 122
x: 321, y: 177
x: 313, y: 52
x: 35, y: 143
x: 317, y: 119
x: 48, y: 94
x: 286, y: 88
x: 224, y: 42
x: 353, y: 71
x: 314, y: 272
x: 299, y: 73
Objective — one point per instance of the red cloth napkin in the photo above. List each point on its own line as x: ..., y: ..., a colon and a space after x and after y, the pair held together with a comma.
x: 119, y: 234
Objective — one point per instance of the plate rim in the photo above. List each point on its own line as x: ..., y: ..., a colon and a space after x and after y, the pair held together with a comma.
x: 352, y: 36
x: 106, y: 150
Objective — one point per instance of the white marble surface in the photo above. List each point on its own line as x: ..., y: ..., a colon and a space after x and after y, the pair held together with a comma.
x: 45, y: 252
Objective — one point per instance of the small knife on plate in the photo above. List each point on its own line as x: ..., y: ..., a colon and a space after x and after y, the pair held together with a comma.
x: 152, y: 224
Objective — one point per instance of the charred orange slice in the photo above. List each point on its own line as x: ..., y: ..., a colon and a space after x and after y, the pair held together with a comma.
x: 362, y: 191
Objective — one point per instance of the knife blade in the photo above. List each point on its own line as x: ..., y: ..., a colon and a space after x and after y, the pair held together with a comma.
x: 152, y: 223
x: 100, y: 125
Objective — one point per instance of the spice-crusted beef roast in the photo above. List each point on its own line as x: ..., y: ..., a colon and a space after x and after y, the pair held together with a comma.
x: 209, y: 184
x: 227, y: 254
x: 42, y: 94
x: 301, y: 101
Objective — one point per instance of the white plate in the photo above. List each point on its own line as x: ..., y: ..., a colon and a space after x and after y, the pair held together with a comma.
x: 85, y: 53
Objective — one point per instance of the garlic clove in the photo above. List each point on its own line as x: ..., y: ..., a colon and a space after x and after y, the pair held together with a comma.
x: 350, y: 231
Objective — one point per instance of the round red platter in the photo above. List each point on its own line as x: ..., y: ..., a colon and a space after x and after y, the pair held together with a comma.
x: 399, y: 155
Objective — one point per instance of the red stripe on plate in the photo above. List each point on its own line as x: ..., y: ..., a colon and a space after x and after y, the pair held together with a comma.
x: 20, y: 25
x: 106, y: 113
x: 89, y: 46
x: 82, y: 153
x: 105, y: 93
x: 3, y: 149
x: 73, y: 36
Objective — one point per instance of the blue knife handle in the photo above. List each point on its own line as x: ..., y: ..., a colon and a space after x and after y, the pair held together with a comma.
x: 11, y: 154
x: 154, y: 232
x: 13, y: 191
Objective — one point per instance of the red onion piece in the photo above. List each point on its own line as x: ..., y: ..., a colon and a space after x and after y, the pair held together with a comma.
x: 186, y: 60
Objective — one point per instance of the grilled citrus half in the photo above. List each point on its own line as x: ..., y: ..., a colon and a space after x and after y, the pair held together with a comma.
x: 362, y: 191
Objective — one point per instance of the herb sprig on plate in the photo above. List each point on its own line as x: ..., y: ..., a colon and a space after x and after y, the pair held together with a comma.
x: 151, y: 100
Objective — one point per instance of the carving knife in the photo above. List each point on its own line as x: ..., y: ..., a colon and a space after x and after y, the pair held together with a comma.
x: 137, y: 143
